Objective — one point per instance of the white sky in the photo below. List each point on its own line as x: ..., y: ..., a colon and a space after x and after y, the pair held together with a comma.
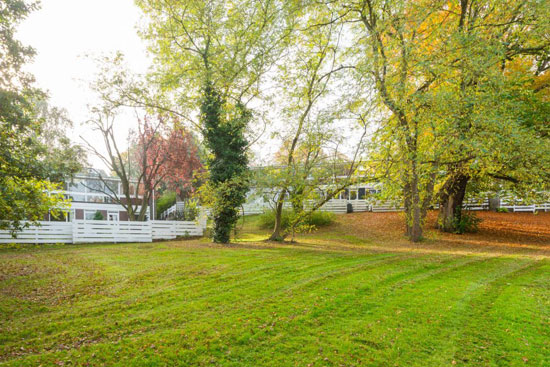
x: 63, y: 32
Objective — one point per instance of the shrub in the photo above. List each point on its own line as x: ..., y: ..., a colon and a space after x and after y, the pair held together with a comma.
x: 502, y: 210
x: 466, y: 222
x: 167, y: 199
x: 316, y: 219
x: 320, y: 219
x: 98, y: 216
x: 190, y: 211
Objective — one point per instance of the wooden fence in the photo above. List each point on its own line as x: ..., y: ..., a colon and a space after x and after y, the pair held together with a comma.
x: 518, y: 205
x: 47, y: 232
x: 340, y: 206
x: 89, y: 231
x: 93, y: 231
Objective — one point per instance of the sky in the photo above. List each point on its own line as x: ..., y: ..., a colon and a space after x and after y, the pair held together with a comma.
x: 66, y: 35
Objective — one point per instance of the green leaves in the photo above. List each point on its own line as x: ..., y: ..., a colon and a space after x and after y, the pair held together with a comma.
x: 34, y: 149
x: 223, y: 131
x: 24, y: 201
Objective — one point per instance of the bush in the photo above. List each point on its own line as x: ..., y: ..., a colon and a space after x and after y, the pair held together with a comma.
x: 316, y: 219
x: 467, y: 222
x: 320, y: 219
x: 167, y: 199
x: 190, y: 211
x: 98, y: 216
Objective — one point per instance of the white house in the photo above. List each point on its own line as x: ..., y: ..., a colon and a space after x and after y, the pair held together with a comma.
x: 89, y: 195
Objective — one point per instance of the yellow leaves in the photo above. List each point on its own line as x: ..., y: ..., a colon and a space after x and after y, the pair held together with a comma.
x: 542, y: 85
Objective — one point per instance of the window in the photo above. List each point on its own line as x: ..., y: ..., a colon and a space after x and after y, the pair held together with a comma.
x: 95, y: 199
x: 111, y: 187
x: 94, y: 185
x: 58, y: 217
x: 77, y: 186
x: 77, y: 197
x: 112, y: 216
x: 343, y: 195
x: 132, y: 189
x: 70, y: 215
x: 89, y: 214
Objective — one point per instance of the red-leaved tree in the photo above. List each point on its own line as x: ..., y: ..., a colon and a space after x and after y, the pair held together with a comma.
x: 161, y: 152
x: 167, y: 155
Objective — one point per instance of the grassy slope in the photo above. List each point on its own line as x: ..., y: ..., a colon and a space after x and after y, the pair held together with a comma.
x: 312, y: 304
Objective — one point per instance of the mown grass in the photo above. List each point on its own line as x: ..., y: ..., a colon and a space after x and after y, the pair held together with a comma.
x: 314, y: 303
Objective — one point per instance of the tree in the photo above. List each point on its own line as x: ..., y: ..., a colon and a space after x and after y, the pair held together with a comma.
x: 228, y: 165
x: 309, y: 160
x: 26, y: 188
x: 453, y: 111
x: 498, y: 119
x: 60, y: 158
x: 168, y: 156
x: 387, y: 50
x: 213, y: 54
x: 161, y: 151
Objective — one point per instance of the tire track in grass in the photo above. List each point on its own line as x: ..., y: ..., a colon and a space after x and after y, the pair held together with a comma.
x: 271, y: 341
x: 375, y: 305
x: 448, y: 310
x: 242, y: 308
x: 311, y: 270
x: 245, y: 278
x: 476, y: 339
x: 97, y: 316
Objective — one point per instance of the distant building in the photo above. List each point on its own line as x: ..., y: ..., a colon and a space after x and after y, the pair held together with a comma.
x: 89, y: 195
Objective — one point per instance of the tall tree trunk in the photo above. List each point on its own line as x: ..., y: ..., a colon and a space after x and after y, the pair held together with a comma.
x: 277, y: 235
x: 414, y: 217
x: 416, y: 211
x: 451, y: 197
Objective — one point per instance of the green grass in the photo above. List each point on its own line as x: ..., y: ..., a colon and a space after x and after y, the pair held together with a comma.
x: 191, y: 303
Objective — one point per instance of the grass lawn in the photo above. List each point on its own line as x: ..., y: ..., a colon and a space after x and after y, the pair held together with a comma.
x: 353, y: 294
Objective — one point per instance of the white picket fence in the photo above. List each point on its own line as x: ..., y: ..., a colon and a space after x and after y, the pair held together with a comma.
x: 476, y: 204
x: 333, y: 206
x: 518, y: 206
x: 90, y: 231
x: 170, y: 229
x: 386, y: 206
x: 178, y: 207
x: 48, y: 232
x: 93, y: 231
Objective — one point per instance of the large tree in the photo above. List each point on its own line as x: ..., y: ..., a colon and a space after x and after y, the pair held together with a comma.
x: 494, y: 54
x: 387, y: 51
x: 310, y: 101
x: 453, y: 109
x: 213, y: 54
x: 29, y: 177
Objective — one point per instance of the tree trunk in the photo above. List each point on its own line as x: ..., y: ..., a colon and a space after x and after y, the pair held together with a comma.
x: 416, y: 211
x: 276, y: 235
x: 451, y: 198
x: 413, y: 208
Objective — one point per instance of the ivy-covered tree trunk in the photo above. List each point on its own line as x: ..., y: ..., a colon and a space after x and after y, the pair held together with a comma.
x: 451, y: 197
x: 223, y: 130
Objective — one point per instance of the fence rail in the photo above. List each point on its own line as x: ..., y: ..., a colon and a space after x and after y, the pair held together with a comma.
x: 48, y: 232
x: 93, y: 231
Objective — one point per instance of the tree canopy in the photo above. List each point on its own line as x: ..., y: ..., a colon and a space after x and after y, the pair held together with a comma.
x: 35, y: 153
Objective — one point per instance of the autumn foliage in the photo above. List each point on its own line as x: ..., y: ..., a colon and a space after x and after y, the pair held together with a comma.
x: 167, y: 154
